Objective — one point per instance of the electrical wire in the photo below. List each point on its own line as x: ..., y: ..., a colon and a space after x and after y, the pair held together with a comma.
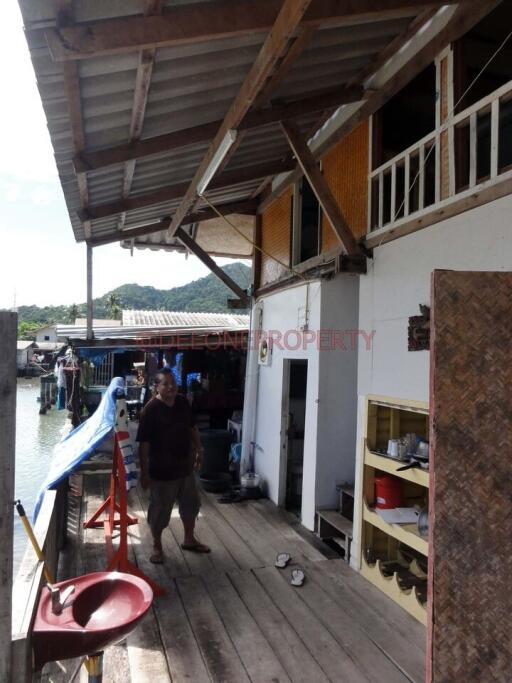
x: 421, y: 168
x: 256, y: 246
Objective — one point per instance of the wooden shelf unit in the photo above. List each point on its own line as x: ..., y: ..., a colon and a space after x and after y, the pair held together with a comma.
x: 391, y: 418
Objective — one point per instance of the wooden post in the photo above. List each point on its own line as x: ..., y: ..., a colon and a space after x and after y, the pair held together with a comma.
x: 89, y: 292
x: 210, y: 263
x: 8, y: 336
x: 320, y: 187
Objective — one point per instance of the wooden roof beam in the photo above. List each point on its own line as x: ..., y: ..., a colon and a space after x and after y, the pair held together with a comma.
x: 274, y: 47
x: 467, y: 15
x: 209, y: 21
x: 176, y: 191
x: 74, y: 103
x: 140, y: 100
x: 193, y: 246
x: 138, y: 149
x: 247, y: 208
x: 320, y: 187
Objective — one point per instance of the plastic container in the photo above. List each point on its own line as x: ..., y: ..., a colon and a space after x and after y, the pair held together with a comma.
x: 250, y: 480
x: 388, y: 492
x: 216, y: 443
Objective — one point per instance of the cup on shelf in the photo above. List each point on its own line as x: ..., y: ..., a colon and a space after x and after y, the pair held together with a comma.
x: 402, y: 450
x: 393, y: 448
x: 411, y: 440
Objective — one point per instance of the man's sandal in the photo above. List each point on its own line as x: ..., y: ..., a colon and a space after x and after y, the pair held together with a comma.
x: 196, y: 548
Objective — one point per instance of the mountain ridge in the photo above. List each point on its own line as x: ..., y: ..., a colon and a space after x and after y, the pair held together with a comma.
x: 204, y: 295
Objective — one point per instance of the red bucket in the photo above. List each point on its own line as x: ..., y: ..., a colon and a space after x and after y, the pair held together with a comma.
x: 388, y: 492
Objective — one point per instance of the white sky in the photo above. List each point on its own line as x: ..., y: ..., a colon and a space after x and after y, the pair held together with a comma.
x: 40, y: 262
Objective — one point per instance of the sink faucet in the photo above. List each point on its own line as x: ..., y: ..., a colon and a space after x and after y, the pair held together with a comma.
x: 58, y: 598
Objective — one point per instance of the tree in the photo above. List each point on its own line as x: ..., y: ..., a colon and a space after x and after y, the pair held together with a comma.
x: 114, y: 306
x: 27, y: 330
x: 72, y: 313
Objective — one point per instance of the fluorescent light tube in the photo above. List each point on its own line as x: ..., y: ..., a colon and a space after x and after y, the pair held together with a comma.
x: 216, y: 161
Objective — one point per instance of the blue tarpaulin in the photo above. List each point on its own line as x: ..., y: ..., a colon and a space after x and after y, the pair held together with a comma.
x: 82, y: 441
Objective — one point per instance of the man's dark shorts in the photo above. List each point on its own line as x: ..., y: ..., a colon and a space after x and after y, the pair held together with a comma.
x: 163, y: 495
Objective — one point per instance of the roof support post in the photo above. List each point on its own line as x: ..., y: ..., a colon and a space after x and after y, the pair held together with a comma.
x: 89, y: 292
x: 8, y: 336
x: 320, y: 187
x: 210, y: 263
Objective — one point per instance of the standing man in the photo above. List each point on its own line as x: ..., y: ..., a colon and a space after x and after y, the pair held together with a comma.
x: 169, y: 451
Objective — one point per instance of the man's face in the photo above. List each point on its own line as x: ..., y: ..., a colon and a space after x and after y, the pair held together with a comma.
x: 166, y: 387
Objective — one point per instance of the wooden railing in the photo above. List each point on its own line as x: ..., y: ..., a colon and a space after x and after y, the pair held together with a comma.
x: 50, y: 531
x: 477, y: 146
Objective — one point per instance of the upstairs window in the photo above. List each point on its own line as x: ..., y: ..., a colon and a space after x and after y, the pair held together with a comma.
x: 307, y: 223
x: 404, y: 120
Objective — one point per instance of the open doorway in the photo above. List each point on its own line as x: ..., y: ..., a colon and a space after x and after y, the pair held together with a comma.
x: 292, y: 433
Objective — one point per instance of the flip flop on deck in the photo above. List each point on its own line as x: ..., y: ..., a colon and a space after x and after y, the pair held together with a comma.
x: 282, y: 560
x: 298, y: 577
x: 196, y: 548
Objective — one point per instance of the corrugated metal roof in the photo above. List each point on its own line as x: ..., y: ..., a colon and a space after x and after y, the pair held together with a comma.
x: 191, y: 84
x: 49, y: 346
x: 24, y: 345
x: 151, y: 324
x: 184, y: 319
x: 97, y: 322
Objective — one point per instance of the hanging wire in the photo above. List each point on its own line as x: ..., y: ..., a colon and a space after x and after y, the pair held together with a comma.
x: 421, y: 168
x: 397, y: 212
x: 256, y: 246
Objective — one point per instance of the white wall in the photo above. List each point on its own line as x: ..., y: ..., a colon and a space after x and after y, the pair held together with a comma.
x: 399, y: 280
x: 337, y: 409
x: 330, y: 419
x: 281, y: 311
x: 49, y: 331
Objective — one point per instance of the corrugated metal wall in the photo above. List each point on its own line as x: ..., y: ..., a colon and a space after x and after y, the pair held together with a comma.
x: 276, y: 238
x: 345, y: 168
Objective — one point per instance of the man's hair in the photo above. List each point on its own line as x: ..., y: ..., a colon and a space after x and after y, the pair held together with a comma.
x: 165, y: 372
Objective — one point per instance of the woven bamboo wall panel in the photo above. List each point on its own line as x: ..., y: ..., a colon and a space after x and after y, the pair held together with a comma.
x: 345, y: 168
x: 276, y: 237
x: 471, y: 497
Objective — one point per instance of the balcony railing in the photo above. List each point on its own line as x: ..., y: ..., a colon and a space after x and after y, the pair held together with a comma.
x: 469, y: 151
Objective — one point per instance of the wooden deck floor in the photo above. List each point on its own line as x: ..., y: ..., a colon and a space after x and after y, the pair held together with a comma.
x: 230, y: 616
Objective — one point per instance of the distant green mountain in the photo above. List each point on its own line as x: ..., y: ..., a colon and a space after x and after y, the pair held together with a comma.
x: 208, y: 294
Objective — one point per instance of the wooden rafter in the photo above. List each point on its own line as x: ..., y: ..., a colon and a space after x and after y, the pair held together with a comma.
x: 140, y: 99
x: 365, y: 72
x: 208, y: 21
x: 247, y: 207
x: 138, y: 149
x: 320, y: 187
x: 294, y: 49
x: 74, y: 102
x: 271, y: 51
x: 469, y: 13
x: 177, y: 191
x: 211, y: 265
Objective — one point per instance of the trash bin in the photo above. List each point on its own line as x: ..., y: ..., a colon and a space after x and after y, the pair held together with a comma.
x: 216, y: 443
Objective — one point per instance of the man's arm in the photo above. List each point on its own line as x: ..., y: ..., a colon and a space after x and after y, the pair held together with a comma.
x: 198, y: 447
x: 144, y: 463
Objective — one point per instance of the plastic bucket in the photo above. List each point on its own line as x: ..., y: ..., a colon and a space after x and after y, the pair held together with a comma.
x: 388, y: 492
